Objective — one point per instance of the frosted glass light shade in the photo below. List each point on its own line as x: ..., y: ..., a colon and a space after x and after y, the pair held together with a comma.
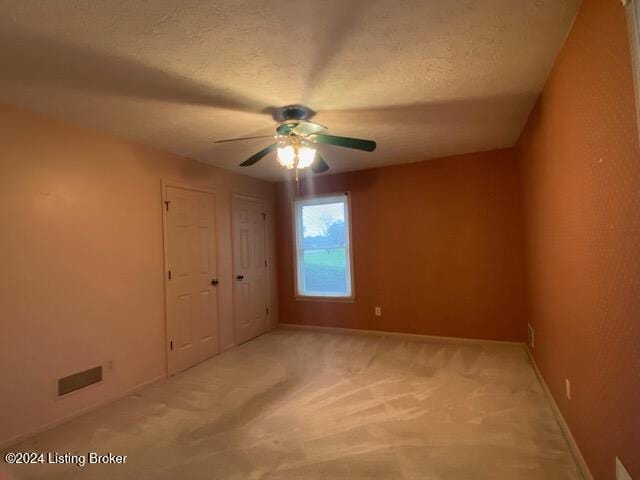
x: 287, y: 156
x: 306, y: 156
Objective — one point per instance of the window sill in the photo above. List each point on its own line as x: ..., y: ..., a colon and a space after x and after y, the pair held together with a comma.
x: 307, y: 298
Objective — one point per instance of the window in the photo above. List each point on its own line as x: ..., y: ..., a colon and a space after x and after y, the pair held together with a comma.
x: 323, y: 260
x: 633, y: 22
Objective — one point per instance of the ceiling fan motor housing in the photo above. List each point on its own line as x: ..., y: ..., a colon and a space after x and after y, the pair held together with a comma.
x: 293, y: 112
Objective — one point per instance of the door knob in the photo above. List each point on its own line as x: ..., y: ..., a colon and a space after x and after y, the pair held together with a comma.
x: 240, y: 277
x: 214, y: 282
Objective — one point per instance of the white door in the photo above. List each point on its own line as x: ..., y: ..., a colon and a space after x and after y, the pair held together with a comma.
x: 192, y: 298
x: 249, y: 268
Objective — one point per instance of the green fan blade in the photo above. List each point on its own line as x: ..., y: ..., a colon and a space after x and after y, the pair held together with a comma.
x: 319, y: 165
x: 243, y: 138
x: 304, y: 129
x: 255, y: 158
x: 286, y: 128
x: 357, y: 143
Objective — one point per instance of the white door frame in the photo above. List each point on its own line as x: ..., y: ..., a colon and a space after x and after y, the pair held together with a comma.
x: 261, y: 201
x: 164, y: 182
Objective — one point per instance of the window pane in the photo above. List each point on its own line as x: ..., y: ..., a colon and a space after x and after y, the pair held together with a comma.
x: 325, y: 271
x: 322, y: 232
x: 323, y: 226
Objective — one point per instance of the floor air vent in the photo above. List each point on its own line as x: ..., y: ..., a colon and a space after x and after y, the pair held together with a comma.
x: 79, y: 380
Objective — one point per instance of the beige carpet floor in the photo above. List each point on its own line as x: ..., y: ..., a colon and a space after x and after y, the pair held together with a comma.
x: 297, y: 404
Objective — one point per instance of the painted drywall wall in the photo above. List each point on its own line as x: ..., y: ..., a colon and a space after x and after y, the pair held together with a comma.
x: 437, y: 245
x: 82, y: 262
x: 581, y: 184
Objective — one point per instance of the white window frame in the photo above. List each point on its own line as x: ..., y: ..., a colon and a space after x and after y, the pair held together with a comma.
x: 297, y: 205
x: 633, y: 22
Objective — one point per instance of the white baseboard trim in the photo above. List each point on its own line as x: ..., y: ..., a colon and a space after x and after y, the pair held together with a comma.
x: 564, y: 426
x: 109, y: 399
x: 358, y: 331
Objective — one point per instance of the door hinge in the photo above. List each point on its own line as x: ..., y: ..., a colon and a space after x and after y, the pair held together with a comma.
x: 169, y: 274
x: 265, y: 263
x: 264, y: 216
x: 166, y: 204
x: 267, y: 310
x: 171, y: 344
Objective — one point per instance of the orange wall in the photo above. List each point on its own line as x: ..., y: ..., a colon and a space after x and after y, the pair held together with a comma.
x: 581, y: 179
x: 436, y: 244
x: 82, y: 271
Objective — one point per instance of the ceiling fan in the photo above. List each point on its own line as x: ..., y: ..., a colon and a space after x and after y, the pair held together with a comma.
x: 296, y: 138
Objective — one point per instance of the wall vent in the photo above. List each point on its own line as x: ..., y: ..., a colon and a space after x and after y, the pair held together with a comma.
x: 79, y: 380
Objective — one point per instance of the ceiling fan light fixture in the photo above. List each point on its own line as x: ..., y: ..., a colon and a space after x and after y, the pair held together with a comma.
x: 295, y: 141
x: 287, y: 156
x: 306, y: 156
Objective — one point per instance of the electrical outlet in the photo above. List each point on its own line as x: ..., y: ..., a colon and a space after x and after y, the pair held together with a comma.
x: 378, y: 312
x: 567, y: 388
x: 531, y: 335
x: 621, y: 471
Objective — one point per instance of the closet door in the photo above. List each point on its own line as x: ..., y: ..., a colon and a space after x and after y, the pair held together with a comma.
x: 192, y: 297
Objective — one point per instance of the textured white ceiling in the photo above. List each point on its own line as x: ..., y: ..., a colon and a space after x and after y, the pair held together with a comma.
x: 424, y: 78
